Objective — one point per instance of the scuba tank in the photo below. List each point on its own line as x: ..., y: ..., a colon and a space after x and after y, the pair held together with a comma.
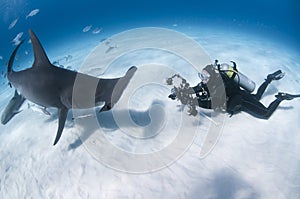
x: 241, y: 79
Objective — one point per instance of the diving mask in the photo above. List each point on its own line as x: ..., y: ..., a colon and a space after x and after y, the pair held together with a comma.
x: 204, y: 76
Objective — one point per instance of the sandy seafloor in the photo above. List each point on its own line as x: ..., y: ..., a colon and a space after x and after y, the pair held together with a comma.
x: 253, y: 158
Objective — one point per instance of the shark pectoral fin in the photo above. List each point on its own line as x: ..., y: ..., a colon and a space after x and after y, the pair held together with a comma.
x: 62, y: 113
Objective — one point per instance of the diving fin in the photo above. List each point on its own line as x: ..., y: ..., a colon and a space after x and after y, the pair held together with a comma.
x: 276, y: 75
x: 286, y: 96
x: 62, y: 113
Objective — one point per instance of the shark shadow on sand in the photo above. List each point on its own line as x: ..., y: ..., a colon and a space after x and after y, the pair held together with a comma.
x: 151, y: 122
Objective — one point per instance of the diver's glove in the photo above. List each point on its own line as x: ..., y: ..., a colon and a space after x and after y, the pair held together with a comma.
x: 172, y: 96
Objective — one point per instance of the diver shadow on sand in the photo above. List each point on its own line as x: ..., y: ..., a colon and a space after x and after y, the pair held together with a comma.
x: 226, y: 184
x: 285, y: 107
x: 271, y: 91
x: 230, y: 185
x: 149, y: 120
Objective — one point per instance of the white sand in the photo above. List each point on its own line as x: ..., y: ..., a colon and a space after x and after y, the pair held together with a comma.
x: 252, y: 159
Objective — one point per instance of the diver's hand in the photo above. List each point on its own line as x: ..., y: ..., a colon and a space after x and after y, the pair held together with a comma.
x: 173, y: 95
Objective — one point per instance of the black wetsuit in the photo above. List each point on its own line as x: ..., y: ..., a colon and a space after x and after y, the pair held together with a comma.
x: 237, y: 99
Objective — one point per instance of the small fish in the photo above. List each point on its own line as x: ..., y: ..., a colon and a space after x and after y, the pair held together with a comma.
x: 110, y: 48
x: 87, y: 28
x: 83, y: 116
x: 55, y: 63
x: 102, y: 40
x: 26, y: 52
x: 13, y: 23
x: 16, y: 40
x: 38, y: 109
x: 32, y: 13
x: 69, y: 57
x: 110, y: 45
x: 97, y: 30
x: 1, y: 58
x: 107, y: 42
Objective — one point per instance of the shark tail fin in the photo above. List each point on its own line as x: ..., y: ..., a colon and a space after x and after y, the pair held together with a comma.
x: 12, y: 58
x: 40, y: 56
x: 62, y: 113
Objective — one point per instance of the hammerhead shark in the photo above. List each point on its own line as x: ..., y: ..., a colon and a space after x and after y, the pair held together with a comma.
x: 12, y: 108
x: 51, y: 86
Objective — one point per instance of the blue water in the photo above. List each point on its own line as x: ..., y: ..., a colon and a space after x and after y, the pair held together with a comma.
x: 59, y: 20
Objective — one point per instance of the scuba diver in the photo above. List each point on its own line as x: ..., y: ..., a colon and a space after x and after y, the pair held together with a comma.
x: 224, y: 88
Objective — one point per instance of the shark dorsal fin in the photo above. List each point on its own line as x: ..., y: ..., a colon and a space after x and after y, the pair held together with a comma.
x: 40, y: 57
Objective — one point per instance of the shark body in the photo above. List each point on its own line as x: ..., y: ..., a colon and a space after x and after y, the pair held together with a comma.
x: 51, y: 86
